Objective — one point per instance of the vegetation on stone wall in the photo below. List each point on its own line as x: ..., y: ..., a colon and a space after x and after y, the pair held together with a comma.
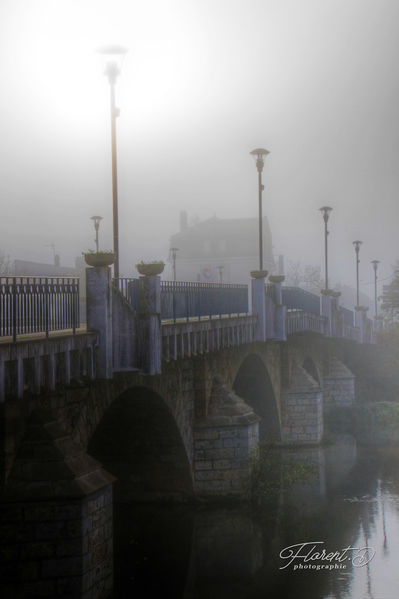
x: 271, y: 475
x: 377, y: 423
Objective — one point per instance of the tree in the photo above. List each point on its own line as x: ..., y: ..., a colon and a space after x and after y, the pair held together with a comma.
x: 308, y: 277
x: 312, y: 277
x: 390, y: 296
x: 5, y: 264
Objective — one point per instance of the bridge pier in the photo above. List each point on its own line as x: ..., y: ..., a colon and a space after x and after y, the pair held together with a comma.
x: 302, y: 410
x: 338, y: 386
x: 226, y: 444
x: 55, y: 519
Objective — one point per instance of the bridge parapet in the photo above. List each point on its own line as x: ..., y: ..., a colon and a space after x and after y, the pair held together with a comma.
x: 184, y: 339
x: 299, y: 321
x: 35, y: 363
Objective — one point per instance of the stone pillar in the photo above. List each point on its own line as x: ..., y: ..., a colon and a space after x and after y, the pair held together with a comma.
x: 302, y: 410
x: 56, y: 519
x: 280, y: 311
x: 360, y: 322
x: 326, y: 309
x: 338, y: 386
x: 149, y: 325
x: 225, y: 446
x: 378, y: 325
x: 336, y: 315
x: 259, y: 303
x: 99, y: 316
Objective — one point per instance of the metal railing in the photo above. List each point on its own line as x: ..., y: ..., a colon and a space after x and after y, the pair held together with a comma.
x: 348, y: 316
x: 187, y: 300
x: 191, y: 300
x: 299, y: 299
x: 301, y: 321
x: 38, y: 304
x: 185, y: 339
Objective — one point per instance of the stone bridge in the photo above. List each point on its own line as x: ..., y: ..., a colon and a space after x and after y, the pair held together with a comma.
x: 170, y: 410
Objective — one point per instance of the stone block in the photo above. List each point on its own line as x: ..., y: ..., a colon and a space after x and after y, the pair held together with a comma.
x: 219, y: 454
x: 222, y: 464
x: 204, y: 465
x: 37, y: 550
x: 205, y: 433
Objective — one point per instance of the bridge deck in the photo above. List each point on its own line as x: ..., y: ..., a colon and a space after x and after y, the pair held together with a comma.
x: 82, y: 330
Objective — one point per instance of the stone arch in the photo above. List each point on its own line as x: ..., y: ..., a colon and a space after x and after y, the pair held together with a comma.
x: 253, y: 384
x: 138, y: 441
x: 310, y: 366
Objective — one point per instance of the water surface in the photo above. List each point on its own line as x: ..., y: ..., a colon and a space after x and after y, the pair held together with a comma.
x: 350, y: 498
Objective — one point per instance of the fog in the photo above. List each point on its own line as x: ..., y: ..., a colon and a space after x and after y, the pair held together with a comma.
x: 204, y: 82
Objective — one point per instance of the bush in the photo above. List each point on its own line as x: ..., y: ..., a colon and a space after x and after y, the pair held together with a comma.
x: 377, y: 423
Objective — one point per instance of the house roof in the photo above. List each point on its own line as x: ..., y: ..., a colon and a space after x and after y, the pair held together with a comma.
x: 218, y: 237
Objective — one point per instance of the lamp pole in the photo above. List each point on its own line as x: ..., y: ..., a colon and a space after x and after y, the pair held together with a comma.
x: 113, y: 61
x: 375, y: 264
x: 96, y: 221
x: 260, y: 154
x: 326, y: 213
x: 173, y: 252
x: 357, y: 245
x: 220, y: 269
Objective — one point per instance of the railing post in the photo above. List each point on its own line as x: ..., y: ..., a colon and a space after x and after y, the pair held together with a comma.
x: 280, y: 311
x: 150, y: 339
x: 326, y: 310
x: 360, y: 322
x: 258, y: 302
x: 14, y: 310
x: 99, y: 315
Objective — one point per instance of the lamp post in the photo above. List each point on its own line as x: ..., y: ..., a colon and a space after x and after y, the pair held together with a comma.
x: 173, y: 252
x: 357, y: 245
x: 96, y: 221
x: 326, y: 213
x: 113, y: 58
x: 260, y: 154
x: 375, y: 264
x: 220, y: 269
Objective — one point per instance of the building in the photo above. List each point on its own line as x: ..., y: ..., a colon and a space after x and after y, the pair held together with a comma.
x: 220, y: 250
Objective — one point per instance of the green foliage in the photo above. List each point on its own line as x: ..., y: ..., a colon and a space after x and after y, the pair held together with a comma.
x: 271, y: 475
x: 390, y: 297
x: 152, y: 262
x: 377, y: 423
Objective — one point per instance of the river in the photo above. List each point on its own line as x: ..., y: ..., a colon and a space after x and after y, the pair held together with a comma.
x: 347, y: 501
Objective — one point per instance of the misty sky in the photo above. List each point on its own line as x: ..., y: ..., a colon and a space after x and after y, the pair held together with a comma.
x: 204, y: 82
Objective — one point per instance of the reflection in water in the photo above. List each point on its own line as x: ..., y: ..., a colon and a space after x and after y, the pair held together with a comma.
x: 351, y: 499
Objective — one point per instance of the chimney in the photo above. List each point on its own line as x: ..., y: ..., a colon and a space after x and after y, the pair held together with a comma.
x: 183, y: 221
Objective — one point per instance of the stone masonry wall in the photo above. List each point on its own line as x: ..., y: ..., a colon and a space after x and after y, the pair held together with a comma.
x: 223, y: 458
x: 303, y: 417
x: 57, y: 548
x: 339, y: 386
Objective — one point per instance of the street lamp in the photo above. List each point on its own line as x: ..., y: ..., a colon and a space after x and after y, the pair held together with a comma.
x: 96, y: 221
x: 375, y: 264
x: 173, y: 252
x: 113, y: 58
x: 260, y: 154
x: 326, y: 213
x: 357, y: 245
